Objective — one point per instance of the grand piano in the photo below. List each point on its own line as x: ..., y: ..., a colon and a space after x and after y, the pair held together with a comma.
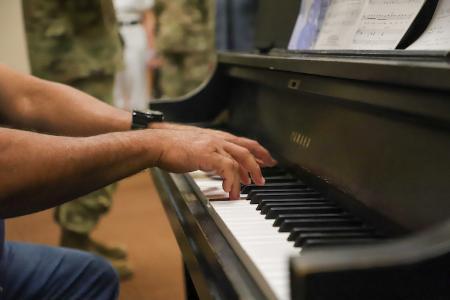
x: 359, y: 205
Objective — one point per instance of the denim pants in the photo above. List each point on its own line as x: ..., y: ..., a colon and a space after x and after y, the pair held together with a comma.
x: 29, y: 271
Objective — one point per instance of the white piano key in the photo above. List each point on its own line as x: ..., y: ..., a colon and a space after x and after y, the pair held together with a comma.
x: 268, y: 249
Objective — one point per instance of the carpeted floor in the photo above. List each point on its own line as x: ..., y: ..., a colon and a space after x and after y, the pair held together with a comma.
x: 137, y: 221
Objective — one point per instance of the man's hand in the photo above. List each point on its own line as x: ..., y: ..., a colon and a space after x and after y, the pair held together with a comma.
x: 260, y: 153
x: 190, y: 150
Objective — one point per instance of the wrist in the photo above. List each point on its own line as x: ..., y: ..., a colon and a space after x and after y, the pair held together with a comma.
x: 144, y: 146
x: 169, y: 125
x: 156, y: 143
x: 157, y: 125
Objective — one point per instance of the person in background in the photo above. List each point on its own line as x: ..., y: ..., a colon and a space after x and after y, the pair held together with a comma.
x: 184, y: 42
x: 235, y: 24
x: 76, y: 42
x: 131, y: 90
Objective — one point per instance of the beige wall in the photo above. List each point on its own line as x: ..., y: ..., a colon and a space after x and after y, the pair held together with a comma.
x: 13, y: 50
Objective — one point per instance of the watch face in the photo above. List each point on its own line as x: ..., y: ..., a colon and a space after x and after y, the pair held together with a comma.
x: 156, y: 116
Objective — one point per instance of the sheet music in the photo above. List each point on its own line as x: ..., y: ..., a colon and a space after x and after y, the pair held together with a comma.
x: 309, y: 20
x: 384, y: 23
x: 299, y: 24
x: 437, y: 34
x: 340, y: 24
x: 367, y: 24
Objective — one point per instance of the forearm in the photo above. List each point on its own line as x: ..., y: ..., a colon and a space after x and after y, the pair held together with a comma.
x: 149, y: 27
x: 27, y: 102
x: 40, y: 171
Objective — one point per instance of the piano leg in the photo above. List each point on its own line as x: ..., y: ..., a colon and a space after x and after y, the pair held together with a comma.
x: 191, y: 292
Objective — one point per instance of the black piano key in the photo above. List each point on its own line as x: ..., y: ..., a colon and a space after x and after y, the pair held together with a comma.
x: 274, y: 171
x: 257, y: 198
x: 276, y: 212
x: 265, y: 208
x: 262, y: 193
x: 303, y: 237
x: 296, y: 231
x: 288, y: 224
x: 268, y: 179
x: 280, y: 179
x: 245, y: 189
x: 310, y: 243
x: 298, y: 213
x: 287, y: 217
x: 290, y: 202
x: 290, y: 216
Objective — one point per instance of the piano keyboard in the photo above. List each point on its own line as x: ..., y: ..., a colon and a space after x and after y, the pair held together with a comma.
x: 280, y: 219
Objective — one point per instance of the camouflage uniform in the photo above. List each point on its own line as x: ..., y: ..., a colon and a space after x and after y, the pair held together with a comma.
x: 185, y: 42
x: 76, y: 42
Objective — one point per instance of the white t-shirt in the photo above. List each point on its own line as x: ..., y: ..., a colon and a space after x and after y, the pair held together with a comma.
x: 131, y: 10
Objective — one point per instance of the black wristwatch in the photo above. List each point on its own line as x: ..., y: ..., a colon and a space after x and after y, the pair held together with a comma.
x: 140, y: 119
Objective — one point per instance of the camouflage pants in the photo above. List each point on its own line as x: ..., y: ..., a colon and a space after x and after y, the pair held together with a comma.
x: 82, y: 215
x: 181, y: 73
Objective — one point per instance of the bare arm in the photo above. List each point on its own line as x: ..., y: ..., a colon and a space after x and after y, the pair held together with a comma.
x: 149, y: 26
x: 27, y: 102
x: 40, y: 171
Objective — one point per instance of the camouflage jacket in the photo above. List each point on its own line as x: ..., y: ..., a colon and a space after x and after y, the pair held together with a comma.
x: 71, y: 39
x: 184, y: 25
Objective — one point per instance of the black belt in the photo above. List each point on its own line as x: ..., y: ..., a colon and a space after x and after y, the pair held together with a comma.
x: 136, y: 22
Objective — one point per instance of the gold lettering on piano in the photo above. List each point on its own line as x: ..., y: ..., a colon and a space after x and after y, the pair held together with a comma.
x: 300, y: 139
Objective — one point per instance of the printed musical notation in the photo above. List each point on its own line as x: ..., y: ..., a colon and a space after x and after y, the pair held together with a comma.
x: 340, y: 24
x: 367, y: 24
x: 437, y: 34
x: 384, y: 23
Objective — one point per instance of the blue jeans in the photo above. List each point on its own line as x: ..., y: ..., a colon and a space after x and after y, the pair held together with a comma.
x: 30, y: 271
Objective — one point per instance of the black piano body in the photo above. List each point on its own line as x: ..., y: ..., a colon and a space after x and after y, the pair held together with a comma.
x: 367, y: 129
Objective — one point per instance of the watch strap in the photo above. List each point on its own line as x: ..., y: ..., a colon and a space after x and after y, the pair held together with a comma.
x: 140, y: 120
